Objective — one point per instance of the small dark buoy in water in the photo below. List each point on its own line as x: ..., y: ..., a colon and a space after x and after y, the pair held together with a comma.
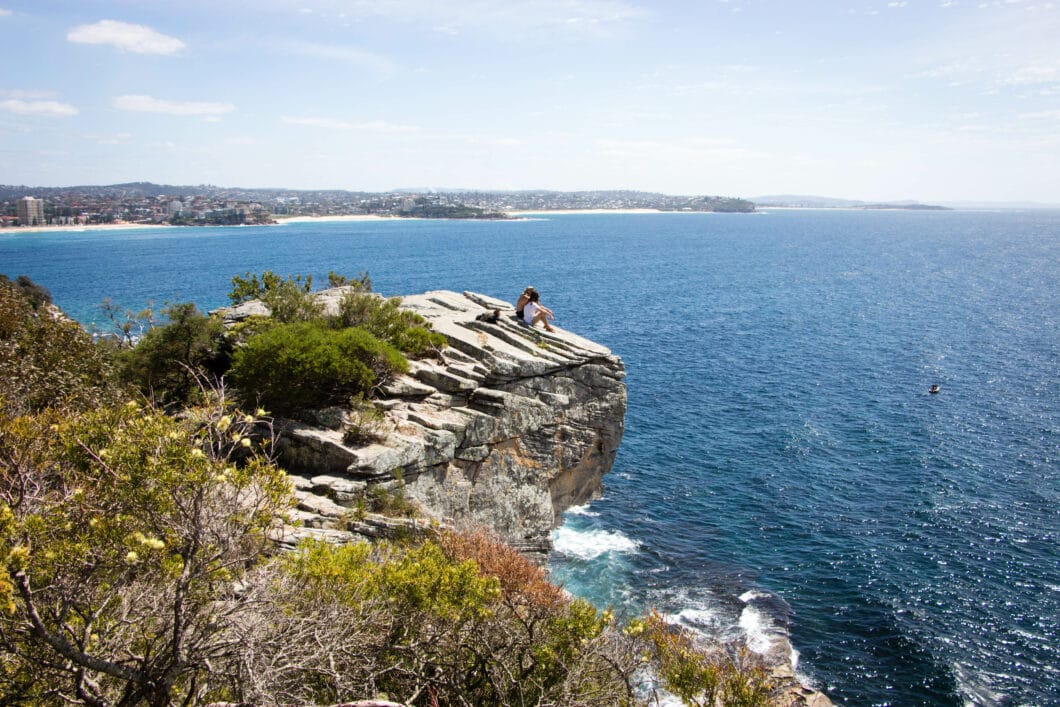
x: 934, y: 388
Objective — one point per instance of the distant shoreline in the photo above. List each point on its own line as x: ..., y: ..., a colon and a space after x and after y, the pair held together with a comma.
x: 86, y: 227
x: 546, y: 212
x: 519, y: 213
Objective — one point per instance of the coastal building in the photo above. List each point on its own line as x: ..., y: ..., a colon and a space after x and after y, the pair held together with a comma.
x: 30, y: 211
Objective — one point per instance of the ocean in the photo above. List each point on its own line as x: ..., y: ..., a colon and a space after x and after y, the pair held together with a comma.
x: 785, y: 471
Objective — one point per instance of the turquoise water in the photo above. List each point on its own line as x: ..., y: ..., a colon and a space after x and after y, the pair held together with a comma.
x: 784, y: 469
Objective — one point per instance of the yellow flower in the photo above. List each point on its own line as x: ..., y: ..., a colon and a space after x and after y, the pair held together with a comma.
x: 131, y: 557
x: 224, y: 423
x: 249, y: 419
x: 197, y: 453
x: 245, y: 441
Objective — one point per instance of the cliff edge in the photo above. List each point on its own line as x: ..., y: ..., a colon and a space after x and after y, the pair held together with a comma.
x: 507, y: 428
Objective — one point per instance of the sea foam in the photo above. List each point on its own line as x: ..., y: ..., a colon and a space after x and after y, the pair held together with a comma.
x: 590, y: 544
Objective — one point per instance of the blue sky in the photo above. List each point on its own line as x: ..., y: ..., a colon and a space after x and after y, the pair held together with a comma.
x: 936, y: 100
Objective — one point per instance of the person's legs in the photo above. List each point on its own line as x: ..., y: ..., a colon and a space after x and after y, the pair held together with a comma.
x: 542, y: 319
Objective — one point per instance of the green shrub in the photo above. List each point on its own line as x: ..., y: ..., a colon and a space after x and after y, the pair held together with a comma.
x: 704, y: 676
x: 390, y: 502
x: 403, y: 329
x: 462, y: 621
x: 37, y: 295
x: 122, y: 534
x: 47, y: 360
x: 168, y: 361
x: 362, y: 282
x: 288, y: 300
x: 364, y: 422
x: 292, y: 367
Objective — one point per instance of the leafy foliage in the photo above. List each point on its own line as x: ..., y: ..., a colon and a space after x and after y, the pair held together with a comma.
x: 168, y: 361
x: 727, y: 675
x: 296, y: 366
x: 288, y: 300
x: 37, y: 295
x: 362, y: 282
x: 384, y: 318
x: 364, y: 422
x: 122, y: 533
x: 428, y: 625
x: 46, y: 359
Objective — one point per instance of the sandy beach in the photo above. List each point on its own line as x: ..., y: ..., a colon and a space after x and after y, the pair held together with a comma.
x: 285, y: 220
x: 546, y: 212
x: 84, y: 227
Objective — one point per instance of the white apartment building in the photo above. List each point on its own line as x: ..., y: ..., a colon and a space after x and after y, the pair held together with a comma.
x: 30, y: 211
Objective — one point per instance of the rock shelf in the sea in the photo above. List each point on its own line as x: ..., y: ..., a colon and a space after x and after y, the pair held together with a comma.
x: 508, y: 427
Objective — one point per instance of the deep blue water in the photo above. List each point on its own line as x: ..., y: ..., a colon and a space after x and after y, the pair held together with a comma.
x: 784, y: 467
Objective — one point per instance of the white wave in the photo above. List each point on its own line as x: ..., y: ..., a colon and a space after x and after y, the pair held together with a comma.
x: 760, y: 632
x: 581, y: 511
x: 590, y: 544
x: 976, y: 690
x: 707, y: 621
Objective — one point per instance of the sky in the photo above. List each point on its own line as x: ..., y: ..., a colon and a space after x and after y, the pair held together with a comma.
x: 932, y: 100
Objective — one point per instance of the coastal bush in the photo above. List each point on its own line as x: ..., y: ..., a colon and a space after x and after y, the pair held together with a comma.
x: 728, y: 675
x: 362, y: 282
x: 288, y: 300
x: 291, y: 367
x: 405, y: 330
x: 124, y: 534
x: 46, y: 359
x: 428, y: 625
x: 169, y: 361
x: 364, y: 422
x: 37, y: 295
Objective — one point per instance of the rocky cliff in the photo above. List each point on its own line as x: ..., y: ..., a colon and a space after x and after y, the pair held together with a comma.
x: 506, y: 429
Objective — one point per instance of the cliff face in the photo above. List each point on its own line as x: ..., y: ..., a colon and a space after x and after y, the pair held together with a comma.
x: 507, y: 429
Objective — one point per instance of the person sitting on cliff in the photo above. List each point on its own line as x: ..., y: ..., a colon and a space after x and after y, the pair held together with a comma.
x: 521, y: 302
x: 534, y: 312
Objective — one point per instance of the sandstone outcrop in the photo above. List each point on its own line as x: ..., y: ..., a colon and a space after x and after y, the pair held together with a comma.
x: 506, y: 429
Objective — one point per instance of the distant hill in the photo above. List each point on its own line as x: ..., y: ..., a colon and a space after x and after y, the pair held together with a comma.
x: 825, y: 202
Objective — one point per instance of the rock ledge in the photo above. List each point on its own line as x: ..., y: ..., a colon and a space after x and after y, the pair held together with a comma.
x: 508, y: 428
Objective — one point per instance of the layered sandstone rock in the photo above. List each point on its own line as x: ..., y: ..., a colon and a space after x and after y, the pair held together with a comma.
x: 506, y: 429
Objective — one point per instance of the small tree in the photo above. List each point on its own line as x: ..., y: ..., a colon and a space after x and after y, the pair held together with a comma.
x: 362, y: 282
x: 123, y: 536
x: 167, y: 362
x: 288, y: 300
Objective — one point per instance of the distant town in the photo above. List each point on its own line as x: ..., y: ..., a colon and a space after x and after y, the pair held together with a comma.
x: 144, y: 203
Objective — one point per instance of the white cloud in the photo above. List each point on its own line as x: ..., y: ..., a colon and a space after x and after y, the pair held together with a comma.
x: 150, y: 104
x: 378, y: 126
x: 4, y: 13
x: 127, y: 37
x: 51, y: 109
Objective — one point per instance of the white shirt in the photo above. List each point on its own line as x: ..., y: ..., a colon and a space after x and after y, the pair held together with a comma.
x: 530, y: 310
